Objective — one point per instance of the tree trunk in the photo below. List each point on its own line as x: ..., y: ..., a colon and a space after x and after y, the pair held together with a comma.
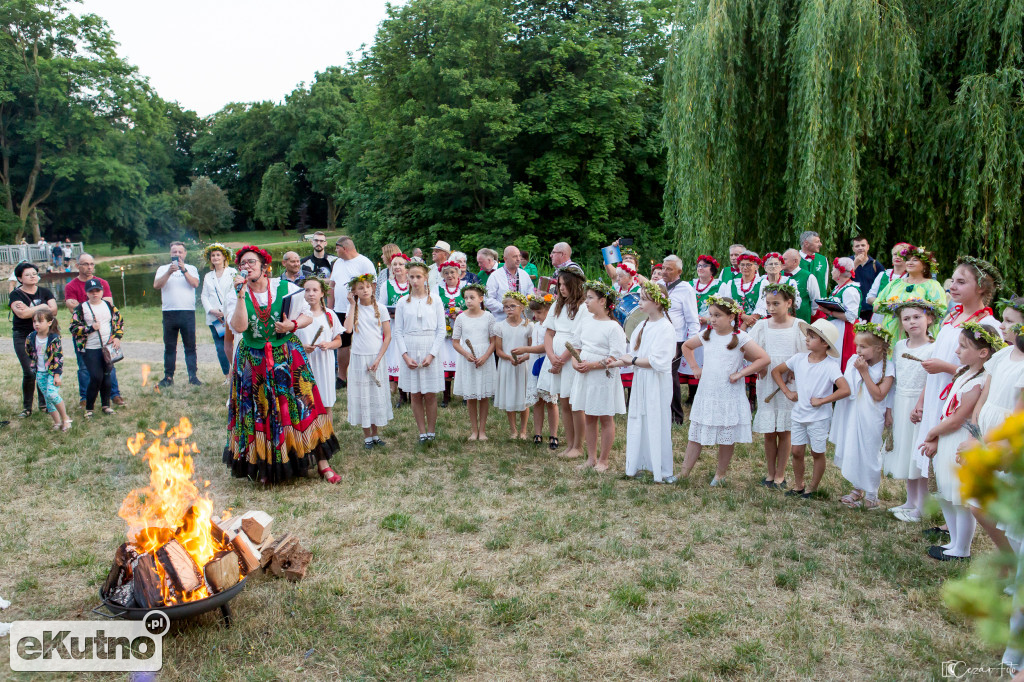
x: 333, y: 210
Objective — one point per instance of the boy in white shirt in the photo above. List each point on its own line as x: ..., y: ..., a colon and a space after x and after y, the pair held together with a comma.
x: 814, y: 374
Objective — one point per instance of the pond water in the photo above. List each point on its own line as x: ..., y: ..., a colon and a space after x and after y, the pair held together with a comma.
x: 132, y: 286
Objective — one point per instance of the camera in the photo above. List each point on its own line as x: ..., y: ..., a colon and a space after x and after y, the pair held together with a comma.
x: 625, y: 241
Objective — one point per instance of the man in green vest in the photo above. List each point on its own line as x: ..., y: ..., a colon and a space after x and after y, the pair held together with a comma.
x: 806, y: 285
x: 732, y: 272
x: 812, y: 261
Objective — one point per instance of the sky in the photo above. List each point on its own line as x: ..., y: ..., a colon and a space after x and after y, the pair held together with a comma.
x: 207, y: 53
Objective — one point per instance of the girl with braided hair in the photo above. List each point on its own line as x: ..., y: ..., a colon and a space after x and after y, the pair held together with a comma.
x: 976, y: 343
x: 419, y: 333
x: 326, y: 329
x: 721, y: 413
x: 369, y: 403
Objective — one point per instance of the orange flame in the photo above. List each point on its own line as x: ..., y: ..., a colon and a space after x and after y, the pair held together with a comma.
x: 145, y: 375
x: 171, y: 506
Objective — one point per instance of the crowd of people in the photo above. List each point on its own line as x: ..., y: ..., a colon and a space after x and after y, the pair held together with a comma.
x: 894, y: 368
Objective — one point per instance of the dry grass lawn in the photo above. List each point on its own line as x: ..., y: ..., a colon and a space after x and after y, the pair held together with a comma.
x: 491, y: 561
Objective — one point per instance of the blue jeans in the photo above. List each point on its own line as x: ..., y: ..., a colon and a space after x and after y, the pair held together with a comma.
x: 218, y: 343
x: 44, y: 380
x: 83, y: 378
x: 179, y: 322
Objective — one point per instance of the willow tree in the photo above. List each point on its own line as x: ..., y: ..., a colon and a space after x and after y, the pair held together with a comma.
x: 896, y: 119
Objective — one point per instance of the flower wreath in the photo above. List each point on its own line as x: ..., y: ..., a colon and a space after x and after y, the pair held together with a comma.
x: 325, y: 284
x: 873, y: 329
x: 895, y: 305
x: 994, y: 341
x: 840, y: 268
x: 726, y: 303
x: 449, y: 264
x: 628, y: 270
x: 626, y: 251
x: 416, y: 263
x: 707, y: 259
x: 517, y: 297
x: 752, y: 257
x: 654, y: 293
x: 475, y: 286
x: 399, y: 255
x: 983, y: 265
x: 252, y: 248
x: 919, y: 252
x: 1016, y: 328
x: 1005, y: 303
x: 546, y: 299
x: 367, y: 277
x: 602, y: 290
x: 772, y: 254
x: 217, y: 246
x: 780, y: 288
x: 571, y: 269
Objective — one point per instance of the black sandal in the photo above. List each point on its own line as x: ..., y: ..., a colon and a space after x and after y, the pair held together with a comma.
x: 538, y: 440
x: 553, y: 443
x: 795, y: 492
x: 25, y: 414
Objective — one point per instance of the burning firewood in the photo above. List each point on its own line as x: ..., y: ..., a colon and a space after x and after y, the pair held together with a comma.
x: 180, y: 567
x: 146, y: 583
x: 256, y: 525
x: 222, y: 571
x: 225, y: 530
x: 247, y: 552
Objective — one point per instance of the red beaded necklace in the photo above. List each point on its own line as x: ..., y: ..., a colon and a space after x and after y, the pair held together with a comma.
x: 401, y: 289
x: 451, y: 294
x: 697, y: 288
x: 262, y: 314
x: 747, y: 290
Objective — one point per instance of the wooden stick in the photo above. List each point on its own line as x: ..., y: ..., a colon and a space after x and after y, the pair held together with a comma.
x: 908, y: 356
x: 576, y: 356
x: 773, y: 394
x: 316, y: 336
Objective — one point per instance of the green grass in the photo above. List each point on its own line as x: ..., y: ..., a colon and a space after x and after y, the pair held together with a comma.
x: 141, y: 323
x: 489, y: 560
x: 152, y: 247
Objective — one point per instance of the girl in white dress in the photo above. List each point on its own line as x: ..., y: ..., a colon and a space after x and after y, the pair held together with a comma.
x: 540, y: 304
x: 419, y: 333
x: 858, y: 421
x: 781, y: 338
x: 392, y: 291
x: 369, y: 402
x: 474, y: 338
x: 721, y: 413
x: 598, y: 392
x: 321, y: 352
x: 510, y: 393
x: 916, y: 317
x: 450, y: 291
x: 975, y: 346
x: 971, y: 288
x: 650, y: 352
x: 557, y: 375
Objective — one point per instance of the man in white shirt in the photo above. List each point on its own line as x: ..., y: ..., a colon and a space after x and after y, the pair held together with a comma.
x: 439, y: 254
x: 683, y: 313
x: 509, y: 278
x: 350, y: 264
x: 177, y: 283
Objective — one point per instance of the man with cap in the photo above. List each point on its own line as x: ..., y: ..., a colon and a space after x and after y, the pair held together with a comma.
x: 74, y: 294
x: 511, y: 277
x: 439, y: 254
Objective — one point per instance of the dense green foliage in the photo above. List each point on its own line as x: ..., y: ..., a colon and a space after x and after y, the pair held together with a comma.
x: 899, y: 120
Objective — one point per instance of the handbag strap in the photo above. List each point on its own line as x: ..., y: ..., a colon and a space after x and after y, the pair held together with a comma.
x: 93, y: 313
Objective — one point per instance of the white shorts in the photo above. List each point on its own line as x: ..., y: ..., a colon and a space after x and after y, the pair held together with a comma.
x: 814, y: 434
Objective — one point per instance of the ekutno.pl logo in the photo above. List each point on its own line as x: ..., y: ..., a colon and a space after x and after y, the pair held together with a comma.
x: 89, y: 646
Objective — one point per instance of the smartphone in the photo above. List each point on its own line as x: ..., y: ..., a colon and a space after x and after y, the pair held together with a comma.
x: 174, y: 259
x: 625, y: 241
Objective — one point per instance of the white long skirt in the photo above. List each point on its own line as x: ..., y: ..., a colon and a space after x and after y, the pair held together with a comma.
x: 368, y: 404
x: 393, y: 359
x: 900, y: 462
x: 321, y: 362
x: 422, y: 379
x: 649, y: 425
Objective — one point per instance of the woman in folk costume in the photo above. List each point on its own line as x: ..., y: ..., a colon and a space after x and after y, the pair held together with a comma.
x: 450, y: 291
x: 917, y: 282
x: 846, y: 296
x: 882, y: 280
x: 746, y: 289
x: 705, y: 285
x: 773, y: 275
x: 650, y: 351
x: 392, y: 290
x: 626, y: 279
x: 277, y: 424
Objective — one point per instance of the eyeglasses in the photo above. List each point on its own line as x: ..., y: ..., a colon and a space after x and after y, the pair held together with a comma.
x: 319, y: 241
x: 250, y: 261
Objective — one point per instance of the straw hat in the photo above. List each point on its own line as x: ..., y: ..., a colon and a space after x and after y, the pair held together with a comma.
x: 827, y: 331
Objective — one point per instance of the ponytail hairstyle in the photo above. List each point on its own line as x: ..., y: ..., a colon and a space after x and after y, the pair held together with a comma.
x: 352, y: 284
x: 981, y: 337
x: 729, y: 307
x: 49, y: 317
x: 880, y: 338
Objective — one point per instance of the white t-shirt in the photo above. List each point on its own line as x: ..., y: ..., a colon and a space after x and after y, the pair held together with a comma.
x: 102, y: 315
x: 813, y: 380
x: 367, y: 339
x: 329, y: 333
x: 40, y: 353
x: 342, y: 272
x: 177, y: 293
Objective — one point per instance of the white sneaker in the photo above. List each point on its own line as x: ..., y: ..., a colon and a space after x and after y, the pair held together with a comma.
x: 906, y: 516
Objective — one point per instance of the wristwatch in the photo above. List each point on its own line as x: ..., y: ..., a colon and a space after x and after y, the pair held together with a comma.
x: 634, y: 360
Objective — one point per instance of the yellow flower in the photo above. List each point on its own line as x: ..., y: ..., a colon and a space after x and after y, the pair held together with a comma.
x: 1011, y: 430
x: 977, y: 472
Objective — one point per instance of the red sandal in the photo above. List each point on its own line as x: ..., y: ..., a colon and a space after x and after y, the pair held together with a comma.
x: 327, y: 473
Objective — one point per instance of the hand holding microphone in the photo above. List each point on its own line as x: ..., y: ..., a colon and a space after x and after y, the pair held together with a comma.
x: 240, y: 280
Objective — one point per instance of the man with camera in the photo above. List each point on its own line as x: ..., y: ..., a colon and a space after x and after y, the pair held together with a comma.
x: 177, y: 283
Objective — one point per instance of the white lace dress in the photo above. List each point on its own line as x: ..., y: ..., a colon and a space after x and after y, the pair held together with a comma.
x: 419, y: 331
x: 910, y: 380
x: 781, y: 345
x: 721, y: 413
x: 472, y: 382
x: 510, y: 391
x: 599, y: 393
